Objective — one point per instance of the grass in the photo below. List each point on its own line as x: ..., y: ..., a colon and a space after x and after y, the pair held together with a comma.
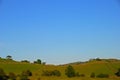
x: 106, y: 67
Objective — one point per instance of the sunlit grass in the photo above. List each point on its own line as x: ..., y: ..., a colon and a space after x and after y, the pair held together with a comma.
x: 87, y: 68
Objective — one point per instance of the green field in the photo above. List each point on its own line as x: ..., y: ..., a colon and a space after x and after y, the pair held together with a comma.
x: 106, y: 67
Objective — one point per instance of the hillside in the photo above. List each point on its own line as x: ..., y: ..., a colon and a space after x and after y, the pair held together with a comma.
x: 106, y: 66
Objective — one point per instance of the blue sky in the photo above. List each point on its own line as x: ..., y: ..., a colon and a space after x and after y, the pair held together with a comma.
x: 60, y: 31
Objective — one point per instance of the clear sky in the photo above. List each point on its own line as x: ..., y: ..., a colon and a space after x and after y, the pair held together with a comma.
x: 60, y: 31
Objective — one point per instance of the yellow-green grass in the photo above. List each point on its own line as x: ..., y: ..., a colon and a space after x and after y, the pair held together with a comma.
x: 75, y: 78
x: 17, y: 67
x: 97, y: 67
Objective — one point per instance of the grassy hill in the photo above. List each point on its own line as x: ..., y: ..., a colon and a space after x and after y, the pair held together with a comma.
x: 106, y: 66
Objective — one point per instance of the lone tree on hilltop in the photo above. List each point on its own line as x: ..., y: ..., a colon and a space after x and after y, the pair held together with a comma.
x: 9, y: 57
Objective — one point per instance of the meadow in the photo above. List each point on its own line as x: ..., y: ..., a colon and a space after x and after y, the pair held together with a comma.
x: 104, y: 66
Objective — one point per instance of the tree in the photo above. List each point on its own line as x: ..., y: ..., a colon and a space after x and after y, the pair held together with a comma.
x: 98, y: 59
x: 118, y: 73
x: 9, y: 57
x: 38, y: 61
x: 70, y: 72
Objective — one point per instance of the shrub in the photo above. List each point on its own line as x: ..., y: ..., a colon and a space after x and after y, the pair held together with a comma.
x: 28, y: 72
x: 118, y: 73
x: 38, y: 61
x: 23, y: 77
x: 56, y: 73
x: 46, y: 73
x: 102, y: 75
x: 12, y: 76
x: 92, y: 75
x: 25, y: 74
x: 69, y: 71
x: 51, y: 73
x: 3, y: 76
x: 26, y: 61
x: 98, y: 59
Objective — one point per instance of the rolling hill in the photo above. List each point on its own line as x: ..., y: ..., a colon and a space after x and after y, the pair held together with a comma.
x: 105, y: 66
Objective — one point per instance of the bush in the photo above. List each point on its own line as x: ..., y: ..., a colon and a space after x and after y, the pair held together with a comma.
x: 26, y: 61
x: 118, y: 73
x: 51, y: 73
x: 56, y: 73
x: 38, y: 61
x: 28, y: 72
x: 46, y: 73
x: 3, y: 76
x: 12, y: 76
x: 102, y: 75
x: 25, y: 74
x: 23, y: 77
x: 70, y: 72
x: 98, y: 59
x: 92, y: 75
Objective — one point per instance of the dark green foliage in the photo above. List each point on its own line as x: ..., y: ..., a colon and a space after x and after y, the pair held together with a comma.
x: 46, y: 73
x: 38, y: 61
x: 69, y: 71
x: 25, y: 74
x: 9, y: 57
x: 28, y: 72
x: 12, y: 76
x: 51, y: 73
x: 102, y: 75
x: 3, y: 76
x: 26, y: 61
x: 98, y: 59
x: 118, y: 73
x: 56, y: 73
x: 92, y: 75
x: 23, y: 77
